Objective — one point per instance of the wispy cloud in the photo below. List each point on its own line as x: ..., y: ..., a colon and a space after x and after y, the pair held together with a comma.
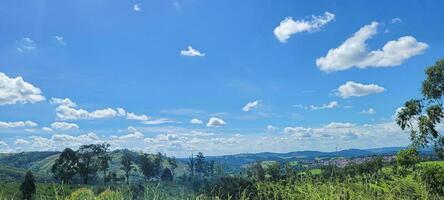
x: 289, y: 27
x: 191, y: 52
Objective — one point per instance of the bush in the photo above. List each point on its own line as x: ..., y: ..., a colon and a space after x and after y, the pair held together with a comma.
x: 232, y: 187
x: 81, y: 194
x: 433, y: 177
x: 110, y: 195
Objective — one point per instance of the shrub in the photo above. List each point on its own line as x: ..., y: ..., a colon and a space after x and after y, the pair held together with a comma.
x: 433, y: 177
x: 110, y: 195
x: 28, y: 186
x: 231, y: 187
x: 81, y: 194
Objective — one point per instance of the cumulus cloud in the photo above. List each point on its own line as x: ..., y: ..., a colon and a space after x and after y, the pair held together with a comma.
x: 133, y: 134
x: 17, y: 124
x: 137, y: 7
x: 191, y: 52
x: 16, y: 90
x: 333, y: 104
x: 251, y: 105
x: 288, y: 26
x: 215, y: 122
x: 132, y: 116
x: 81, y: 139
x: 64, y: 126
x: 67, y: 110
x: 370, y: 111
x: 64, y: 102
x: 353, y: 52
x: 21, y: 142
x: 26, y: 44
x: 196, y: 121
x: 352, y: 89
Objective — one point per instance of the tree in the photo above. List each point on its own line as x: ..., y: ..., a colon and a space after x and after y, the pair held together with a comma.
x: 274, y: 171
x: 200, y: 166
x: 147, y: 166
x: 127, y: 165
x: 421, y: 116
x: 173, y: 164
x: 158, y: 164
x: 210, y: 169
x: 104, y: 159
x: 407, y: 158
x: 88, y: 161
x: 256, y: 171
x: 167, y: 175
x: 65, y: 166
x: 191, y: 163
x: 28, y: 186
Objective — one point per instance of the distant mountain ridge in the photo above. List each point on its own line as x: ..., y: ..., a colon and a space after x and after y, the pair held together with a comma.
x: 238, y: 160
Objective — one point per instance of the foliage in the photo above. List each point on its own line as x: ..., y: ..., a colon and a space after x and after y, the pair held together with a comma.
x: 408, y: 158
x: 231, y: 187
x: 65, y: 167
x: 147, y: 166
x: 110, y: 195
x: 127, y: 166
x: 421, y: 116
x: 433, y: 177
x: 167, y: 175
x: 28, y: 186
x: 81, y: 194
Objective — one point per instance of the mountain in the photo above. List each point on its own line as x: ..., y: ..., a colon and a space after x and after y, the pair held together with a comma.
x: 14, y: 165
x: 237, y: 161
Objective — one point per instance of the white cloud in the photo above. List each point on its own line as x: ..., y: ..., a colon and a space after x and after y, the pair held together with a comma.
x: 21, y: 142
x: 26, y: 44
x: 158, y: 121
x: 352, y: 89
x: 47, y: 129
x: 133, y: 134
x: 333, y: 104
x: 66, y: 110
x: 81, y: 139
x: 354, y: 52
x: 251, y: 105
x: 215, y: 122
x: 64, y: 126
x: 271, y: 128
x: 191, y: 52
x: 17, y: 124
x: 3, y: 143
x: 16, y: 90
x: 137, y: 7
x: 288, y: 26
x: 339, y: 125
x: 104, y: 113
x: 64, y: 102
x: 396, y: 20
x: 370, y: 111
x: 132, y: 116
x: 196, y: 121
x: 121, y: 112
x: 60, y: 39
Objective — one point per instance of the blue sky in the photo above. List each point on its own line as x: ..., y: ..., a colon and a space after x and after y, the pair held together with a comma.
x: 317, y: 74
